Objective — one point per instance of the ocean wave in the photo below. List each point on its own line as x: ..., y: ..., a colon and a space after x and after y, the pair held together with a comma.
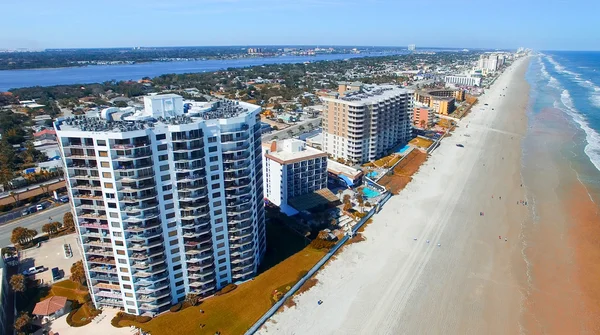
x: 592, y: 149
x: 551, y: 80
x: 561, y: 69
x: 586, y: 83
x: 595, y: 94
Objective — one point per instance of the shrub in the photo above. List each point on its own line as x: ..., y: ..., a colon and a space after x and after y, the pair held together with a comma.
x: 129, y: 317
x: 227, y: 289
x: 175, y: 308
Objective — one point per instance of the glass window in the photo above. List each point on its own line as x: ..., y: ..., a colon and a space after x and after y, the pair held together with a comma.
x: 103, y: 153
x: 160, y: 137
x: 105, y: 164
x: 162, y: 147
x: 101, y: 143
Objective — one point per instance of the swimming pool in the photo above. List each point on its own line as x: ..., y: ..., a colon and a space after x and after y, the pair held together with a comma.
x: 403, y: 149
x: 370, y: 193
x: 372, y: 174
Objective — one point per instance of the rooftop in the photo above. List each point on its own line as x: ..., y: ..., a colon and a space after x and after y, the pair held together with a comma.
x: 291, y: 151
x: 166, y: 109
x: 371, y: 93
x: 338, y: 168
x: 49, y: 306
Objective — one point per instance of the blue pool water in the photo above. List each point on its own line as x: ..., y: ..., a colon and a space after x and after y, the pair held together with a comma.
x: 403, y: 149
x: 372, y: 174
x: 369, y: 193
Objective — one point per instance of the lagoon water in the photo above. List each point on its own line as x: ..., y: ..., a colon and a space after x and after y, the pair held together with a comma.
x: 101, y: 73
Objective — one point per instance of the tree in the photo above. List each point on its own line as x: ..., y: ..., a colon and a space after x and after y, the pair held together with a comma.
x: 192, y: 299
x: 47, y: 228
x: 77, y: 272
x: 17, y: 283
x: 15, y: 197
x: 22, y: 321
x: 301, y: 128
x: 361, y: 200
x: 22, y: 235
x: 68, y: 221
x: 45, y: 188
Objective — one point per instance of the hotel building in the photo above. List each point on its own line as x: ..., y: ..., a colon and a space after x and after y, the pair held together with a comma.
x: 463, y: 80
x: 292, y: 169
x: 366, y: 121
x: 167, y: 200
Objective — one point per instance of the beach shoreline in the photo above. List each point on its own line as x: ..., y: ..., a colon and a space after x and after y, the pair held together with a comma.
x: 472, y: 283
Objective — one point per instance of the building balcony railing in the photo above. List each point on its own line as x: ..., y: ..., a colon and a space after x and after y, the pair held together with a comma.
x: 99, y: 252
x: 102, y: 277
x: 198, y: 261
x: 136, y: 246
x: 108, y: 294
x: 101, y: 260
x: 141, y: 226
x: 103, y: 269
x: 152, y: 261
x: 191, y: 186
x: 109, y: 301
x: 146, y: 235
x: 152, y: 288
x: 192, y: 233
x: 195, y: 223
x: 198, y: 282
x: 97, y: 243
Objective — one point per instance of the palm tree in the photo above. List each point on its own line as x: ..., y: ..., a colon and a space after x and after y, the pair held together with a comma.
x: 77, y: 272
x: 17, y: 283
x: 15, y: 197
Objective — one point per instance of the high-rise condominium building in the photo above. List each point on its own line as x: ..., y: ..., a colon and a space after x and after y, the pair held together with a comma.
x: 167, y: 200
x: 366, y: 121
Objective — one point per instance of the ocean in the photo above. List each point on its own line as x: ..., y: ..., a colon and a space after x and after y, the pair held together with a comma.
x: 570, y: 81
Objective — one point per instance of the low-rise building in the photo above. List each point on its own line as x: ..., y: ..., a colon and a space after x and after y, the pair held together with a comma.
x: 291, y: 169
x: 463, y: 80
x: 425, y: 117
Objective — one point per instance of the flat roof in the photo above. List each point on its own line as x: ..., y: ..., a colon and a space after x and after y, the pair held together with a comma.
x: 287, y: 157
x: 370, y: 94
x: 338, y: 168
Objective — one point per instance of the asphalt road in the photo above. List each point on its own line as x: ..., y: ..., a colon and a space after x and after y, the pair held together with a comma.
x: 284, y: 133
x: 33, y: 221
x: 16, y: 213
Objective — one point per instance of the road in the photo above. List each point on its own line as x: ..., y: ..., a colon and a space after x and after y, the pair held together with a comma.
x: 283, y: 134
x: 33, y: 221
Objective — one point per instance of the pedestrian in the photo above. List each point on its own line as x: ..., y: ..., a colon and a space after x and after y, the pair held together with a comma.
x: 500, y: 198
x: 505, y: 239
x: 499, y: 237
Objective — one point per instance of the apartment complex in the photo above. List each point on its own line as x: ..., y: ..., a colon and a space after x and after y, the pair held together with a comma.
x: 491, y: 62
x: 364, y: 122
x: 463, y: 80
x: 291, y: 169
x: 425, y: 117
x: 167, y: 200
x: 442, y: 101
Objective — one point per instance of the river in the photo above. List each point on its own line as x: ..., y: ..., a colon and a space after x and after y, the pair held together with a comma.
x: 101, y: 73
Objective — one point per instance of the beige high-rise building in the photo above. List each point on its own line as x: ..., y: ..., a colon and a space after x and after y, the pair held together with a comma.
x: 366, y: 121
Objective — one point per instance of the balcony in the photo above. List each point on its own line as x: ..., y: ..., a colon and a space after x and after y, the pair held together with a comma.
x: 141, y: 197
x: 200, y: 260
x: 191, y: 186
x: 146, y: 215
x: 86, y: 186
x: 140, y: 265
x: 231, y: 138
x: 198, y: 282
x: 195, y: 249
x: 108, y: 294
x: 136, y: 186
x: 110, y: 301
x: 192, y: 195
x: 103, y: 269
x: 153, y: 288
x: 195, y: 232
x: 97, y: 243
x: 101, y: 260
x: 146, y: 235
x: 99, y: 252
x: 230, y: 158
x: 195, y: 223
x: 194, y: 214
x: 136, y: 246
x: 140, y: 144
x: 97, y: 277
x: 134, y: 228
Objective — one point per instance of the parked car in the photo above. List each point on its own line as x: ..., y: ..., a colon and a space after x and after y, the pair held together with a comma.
x: 56, y: 275
x: 39, y: 207
x: 64, y: 199
x: 67, y: 250
x: 34, y: 269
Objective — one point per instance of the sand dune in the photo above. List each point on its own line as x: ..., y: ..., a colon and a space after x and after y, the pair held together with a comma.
x: 391, y: 284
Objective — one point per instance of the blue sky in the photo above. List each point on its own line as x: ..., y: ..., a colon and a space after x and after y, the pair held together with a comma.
x: 542, y: 25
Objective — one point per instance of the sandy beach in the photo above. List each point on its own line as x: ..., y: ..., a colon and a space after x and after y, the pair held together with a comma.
x: 473, y: 282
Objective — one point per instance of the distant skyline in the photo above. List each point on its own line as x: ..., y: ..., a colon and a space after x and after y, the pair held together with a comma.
x: 508, y: 24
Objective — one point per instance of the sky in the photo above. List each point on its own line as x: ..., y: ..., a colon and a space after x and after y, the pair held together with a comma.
x: 503, y: 24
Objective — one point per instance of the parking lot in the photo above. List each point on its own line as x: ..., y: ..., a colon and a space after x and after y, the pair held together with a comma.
x: 50, y: 254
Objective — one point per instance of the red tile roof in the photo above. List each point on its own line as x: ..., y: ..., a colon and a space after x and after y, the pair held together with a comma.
x: 49, y: 306
x: 45, y: 132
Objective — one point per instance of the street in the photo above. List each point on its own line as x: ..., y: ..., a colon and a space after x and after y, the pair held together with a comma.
x: 33, y: 221
x: 283, y: 134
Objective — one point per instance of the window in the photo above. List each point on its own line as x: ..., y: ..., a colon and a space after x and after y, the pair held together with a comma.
x: 117, y: 234
x: 131, y: 311
x: 169, y: 206
x: 220, y: 245
x: 164, y: 167
x: 221, y: 253
x: 170, y: 215
x: 106, y: 175
x: 178, y: 275
x: 176, y: 259
x: 212, y: 139
x: 220, y: 237
x: 163, y: 157
x: 219, y: 229
x: 217, y: 203
x: 216, y: 194
x: 177, y: 267
x: 120, y: 252
x: 173, y: 242
x: 172, y: 233
x: 125, y: 278
x: 223, y: 268
x: 165, y: 177
x: 114, y: 215
x: 167, y: 188
x: 115, y: 225
x: 222, y: 260
x: 126, y: 270
x: 214, y: 167
x: 119, y: 243
x: 101, y: 143
x: 127, y: 287
x: 112, y: 205
x: 223, y: 276
x: 122, y: 261
x: 214, y: 158
x: 105, y: 164
x: 219, y: 220
x: 168, y: 196
x: 171, y: 224
x: 179, y: 283
x: 218, y: 212
x: 215, y: 186
x: 110, y: 195
x: 103, y: 153
x: 215, y: 177
x: 160, y: 137
x: 175, y: 251
x: 212, y: 149
x: 180, y: 291
x: 108, y: 185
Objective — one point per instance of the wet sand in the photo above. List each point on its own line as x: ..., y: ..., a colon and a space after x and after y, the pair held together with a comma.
x: 472, y: 283
x: 562, y: 244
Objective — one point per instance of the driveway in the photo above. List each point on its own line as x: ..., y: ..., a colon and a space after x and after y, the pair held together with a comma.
x: 33, y: 221
x: 100, y: 325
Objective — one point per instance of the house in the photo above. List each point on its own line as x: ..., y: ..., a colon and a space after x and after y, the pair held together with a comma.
x: 45, y: 134
x: 51, y: 309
